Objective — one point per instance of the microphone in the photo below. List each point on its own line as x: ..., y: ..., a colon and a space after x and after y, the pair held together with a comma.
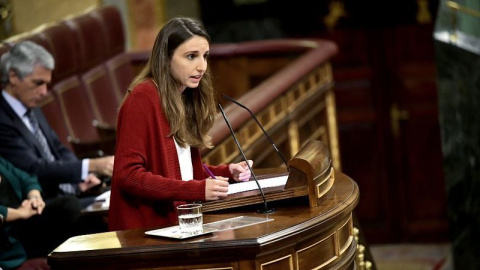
x: 260, y: 125
x: 266, y: 210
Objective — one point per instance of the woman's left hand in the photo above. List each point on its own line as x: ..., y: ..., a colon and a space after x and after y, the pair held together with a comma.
x: 36, y: 203
x: 240, y: 171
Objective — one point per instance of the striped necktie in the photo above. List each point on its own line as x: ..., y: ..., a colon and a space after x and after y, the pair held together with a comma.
x: 68, y: 188
x: 39, y: 135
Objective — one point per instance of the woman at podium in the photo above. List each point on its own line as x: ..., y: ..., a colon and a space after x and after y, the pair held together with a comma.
x: 163, y: 122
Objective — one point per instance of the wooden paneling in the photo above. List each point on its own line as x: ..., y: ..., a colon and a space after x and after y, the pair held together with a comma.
x: 418, y: 147
x: 236, y: 75
x: 389, y: 132
x: 284, y: 262
x: 301, y: 114
x: 298, y: 237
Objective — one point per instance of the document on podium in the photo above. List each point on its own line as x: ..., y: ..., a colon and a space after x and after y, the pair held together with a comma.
x: 251, y: 185
x: 103, y: 198
x: 101, y: 203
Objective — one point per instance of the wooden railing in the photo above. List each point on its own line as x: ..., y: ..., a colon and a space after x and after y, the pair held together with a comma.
x: 295, y: 105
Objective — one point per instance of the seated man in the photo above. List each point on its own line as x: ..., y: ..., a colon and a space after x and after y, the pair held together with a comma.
x: 29, y: 228
x: 26, y: 138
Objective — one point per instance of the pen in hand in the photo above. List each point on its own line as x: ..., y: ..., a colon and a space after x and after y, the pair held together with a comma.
x: 208, y: 171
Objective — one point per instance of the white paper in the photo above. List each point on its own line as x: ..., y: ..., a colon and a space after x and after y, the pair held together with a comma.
x: 174, y: 232
x: 104, y: 199
x: 103, y: 196
x: 251, y: 185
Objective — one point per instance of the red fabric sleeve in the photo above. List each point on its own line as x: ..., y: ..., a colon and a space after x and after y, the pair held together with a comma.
x: 146, y: 161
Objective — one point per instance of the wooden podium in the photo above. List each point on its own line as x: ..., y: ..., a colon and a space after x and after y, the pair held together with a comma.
x: 311, y: 174
x: 311, y: 229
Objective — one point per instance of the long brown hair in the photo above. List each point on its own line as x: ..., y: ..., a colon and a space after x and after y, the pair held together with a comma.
x: 190, y: 113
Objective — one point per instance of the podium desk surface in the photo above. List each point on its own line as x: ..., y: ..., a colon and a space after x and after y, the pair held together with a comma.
x: 296, y: 232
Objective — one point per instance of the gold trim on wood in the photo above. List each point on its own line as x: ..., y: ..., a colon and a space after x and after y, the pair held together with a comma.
x: 336, y: 11
x: 289, y: 257
x: 222, y: 268
x: 348, y: 243
x: 187, y: 267
x: 319, y: 134
x: 293, y: 138
x: 325, y: 185
x: 423, y: 14
x: 323, y: 241
x: 333, y: 131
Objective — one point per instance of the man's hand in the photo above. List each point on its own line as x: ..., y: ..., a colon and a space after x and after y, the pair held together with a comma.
x: 90, y: 182
x: 101, y: 166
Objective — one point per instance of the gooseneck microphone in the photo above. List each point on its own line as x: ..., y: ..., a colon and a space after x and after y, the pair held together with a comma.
x: 260, y: 125
x: 266, y: 210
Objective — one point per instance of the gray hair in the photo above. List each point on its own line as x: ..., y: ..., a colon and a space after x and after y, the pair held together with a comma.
x: 22, y: 58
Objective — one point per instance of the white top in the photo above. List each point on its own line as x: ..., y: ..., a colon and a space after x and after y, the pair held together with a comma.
x: 185, y: 161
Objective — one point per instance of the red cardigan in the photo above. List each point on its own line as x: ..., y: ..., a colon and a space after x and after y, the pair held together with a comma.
x: 146, y: 183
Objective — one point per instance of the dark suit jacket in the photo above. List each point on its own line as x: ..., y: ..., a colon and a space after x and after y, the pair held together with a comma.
x: 19, y: 146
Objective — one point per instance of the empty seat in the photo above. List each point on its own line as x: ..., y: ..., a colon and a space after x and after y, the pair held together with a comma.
x: 103, y: 97
x: 121, y: 73
x: 79, y: 117
x: 64, y: 50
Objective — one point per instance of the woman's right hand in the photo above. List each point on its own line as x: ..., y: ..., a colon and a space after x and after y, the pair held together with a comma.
x: 24, y: 211
x: 216, y: 188
x: 27, y: 209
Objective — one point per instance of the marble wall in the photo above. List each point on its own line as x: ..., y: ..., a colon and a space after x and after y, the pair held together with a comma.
x: 457, y: 56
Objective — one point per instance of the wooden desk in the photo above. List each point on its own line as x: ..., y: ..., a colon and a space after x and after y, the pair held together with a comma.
x: 299, y: 237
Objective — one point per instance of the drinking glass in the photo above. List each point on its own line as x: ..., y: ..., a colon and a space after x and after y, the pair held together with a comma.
x: 190, y: 218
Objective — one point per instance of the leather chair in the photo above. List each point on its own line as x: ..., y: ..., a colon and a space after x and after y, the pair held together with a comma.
x: 119, y: 63
x: 51, y: 109
x: 96, y: 47
x: 79, y: 116
x: 111, y: 24
x: 103, y: 98
x: 90, y: 40
x: 121, y: 74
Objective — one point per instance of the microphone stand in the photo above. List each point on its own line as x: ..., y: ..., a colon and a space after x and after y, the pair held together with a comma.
x: 266, y: 210
x: 260, y: 125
